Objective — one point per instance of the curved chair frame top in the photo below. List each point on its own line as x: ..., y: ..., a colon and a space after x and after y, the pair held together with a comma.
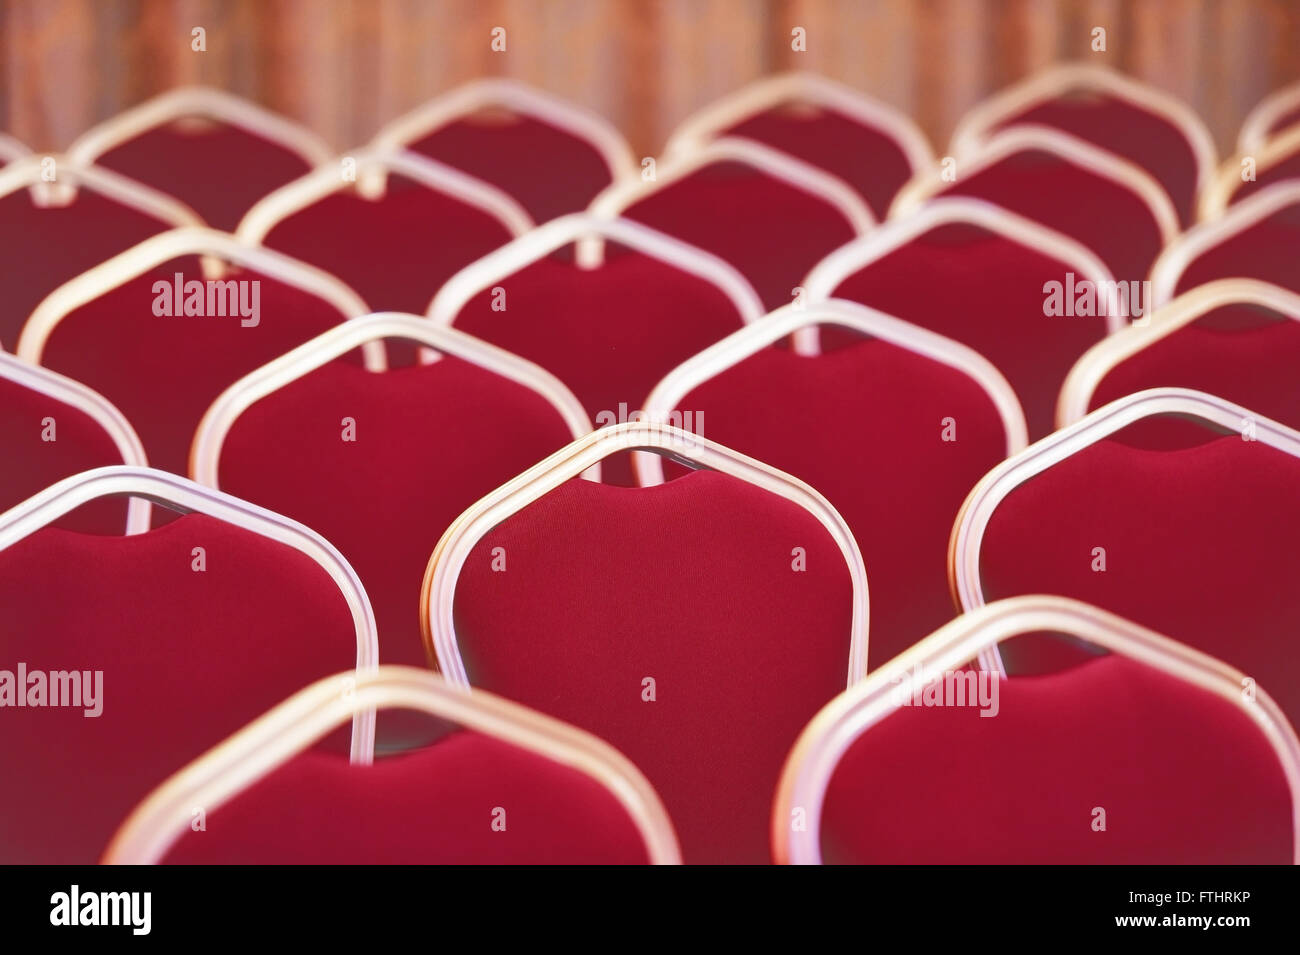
x: 814, y: 89
x: 285, y: 731
x: 29, y: 172
x: 1258, y: 127
x: 789, y: 319
x: 977, y: 510
x: 1111, y: 352
x: 437, y: 595
x: 1218, y: 196
x: 209, y: 439
x: 814, y: 758
x: 979, y: 122
x: 181, y: 494
x: 200, y: 101
x: 11, y: 149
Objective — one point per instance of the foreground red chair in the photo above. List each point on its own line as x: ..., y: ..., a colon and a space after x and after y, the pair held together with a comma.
x: 193, y: 629
x: 1150, y: 754
x: 212, y: 150
x: 894, y: 427
x: 550, y: 155
x: 869, y: 145
x: 695, y: 626
x: 1256, y: 238
x: 105, y: 328
x: 1141, y: 123
x: 769, y: 214
x: 1108, y: 204
x: 1134, y: 495
x: 52, y: 427
x: 608, y: 330
x: 51, y: 232
x: 1277, y: 113
x: 509, y: 786
x: 425, y: 444
x: 1235, y: 338
x: 980, y: 275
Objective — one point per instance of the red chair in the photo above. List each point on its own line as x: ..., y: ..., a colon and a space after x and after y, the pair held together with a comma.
x: 395, y: 234
x: 1278, y: 160
x: 1256, y: 238
x: 1151, y: 754
x: 550, y: 155
x: 1236, y: 338
x: 769, y: 214
x: 51, y: 427
x: 185, y: 633
x: 979, y: 275
x: 508, y: 787
x: 1277, y: 113
x: 894, y: 427
x: 212, y: 150
x: 425, y: 444
x: 695, y: 626
x: 51, y: 231
x: 609, y: 329
x: 872, y: 147
x: 1136, y: 502
x: 1141, y: 123
x: 107, y: 328
x: 1108, y: 204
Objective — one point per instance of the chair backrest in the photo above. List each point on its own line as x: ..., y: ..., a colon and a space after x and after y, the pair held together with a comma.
x: 1235, y: 338
x: 51, y: 427
x: 1141, y: 123
x: 550, y: 155
x: 1110, y: 205
x: 163, y: 328
x: 214, y: 151
x: 511, y: 786
x: 609, y: 331
x: 695, y: 626
x: 408, y: 449
x: 769, y: 214
x: 1135, y: 496
x: 894, y: 428
x: 1256, y: 238
x: 982, y: 276
x: 51, y: 231
x: 142, y: 652
x: 1152, y: 754
x: 1276, y: 113
x: 869, y: 145
x: 1248, y: 172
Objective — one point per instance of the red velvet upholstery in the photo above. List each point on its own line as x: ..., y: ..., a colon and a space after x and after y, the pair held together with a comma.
x: 866, y: 157
x: 1142, y: 137
x: 187, y: 659
x: 1241, y: 353
x: 863, y: 424
x: 164, y: 372
x: 429, y: 806
x: 691, y: 584
x: 44, y: 247
x: 1199, y: 542
x: 547, y: 170
x: 1288, y: 168
x: 986, y: 292
x: 216, y: 169
x: 1183, y: 776
x: 395, y: 251
x: 774, y: 233
x: 1268, y: 250
x: 33, y: 464
x: 610, y: 334
x: 431, y: 440
x: 1106, y: 217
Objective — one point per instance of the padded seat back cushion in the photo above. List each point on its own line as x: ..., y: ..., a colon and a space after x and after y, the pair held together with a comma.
x: 1267, y: 251
x: 1183, y: 778
x: 433, y: 806
x: 691, y: 585
x: 187, y: 657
